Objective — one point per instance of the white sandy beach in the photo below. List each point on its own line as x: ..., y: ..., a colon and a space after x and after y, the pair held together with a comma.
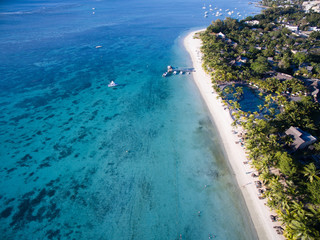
x: 259, y: 213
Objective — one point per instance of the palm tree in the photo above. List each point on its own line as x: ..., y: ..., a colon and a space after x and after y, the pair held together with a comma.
x: 297, y: 208
x: 310, y: 171
x: 299, y: 230
x: 265, y: 177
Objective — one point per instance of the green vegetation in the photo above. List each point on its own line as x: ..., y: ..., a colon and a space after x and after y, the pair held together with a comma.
x: 262, y: 52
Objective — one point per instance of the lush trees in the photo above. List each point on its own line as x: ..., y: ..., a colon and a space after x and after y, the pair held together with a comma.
x: 260, y: 65
x: 310, y: 171
x: 300, y: 58
x: 292, y: 186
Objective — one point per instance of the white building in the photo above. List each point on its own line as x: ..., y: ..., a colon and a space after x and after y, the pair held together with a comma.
x: 292, y: 28
x: 311, y: 5
x: 314, y: 29
x: 252, y: 22
x: 220, y: 34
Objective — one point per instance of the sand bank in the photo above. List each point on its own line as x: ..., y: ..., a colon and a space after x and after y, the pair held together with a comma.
x: 236, y: 155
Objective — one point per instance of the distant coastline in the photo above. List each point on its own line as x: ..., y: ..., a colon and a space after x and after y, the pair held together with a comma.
x: 235, y: 153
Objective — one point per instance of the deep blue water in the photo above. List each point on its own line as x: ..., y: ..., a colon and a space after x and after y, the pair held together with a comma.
x: 80, y: 160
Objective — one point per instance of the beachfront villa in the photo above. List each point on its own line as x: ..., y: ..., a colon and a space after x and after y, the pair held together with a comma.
x: 252, y: 22
x: 301, y: 139
x: 292, y: 28
x: 311, y: 5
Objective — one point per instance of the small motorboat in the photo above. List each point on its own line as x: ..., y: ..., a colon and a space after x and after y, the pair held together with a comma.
x: 112, y: 84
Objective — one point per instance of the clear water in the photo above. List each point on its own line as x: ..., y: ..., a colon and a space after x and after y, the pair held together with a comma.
x: 80, y: 160
x: 249, y: 101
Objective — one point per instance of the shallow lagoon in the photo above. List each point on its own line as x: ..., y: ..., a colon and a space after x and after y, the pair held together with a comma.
x: 83, y: 161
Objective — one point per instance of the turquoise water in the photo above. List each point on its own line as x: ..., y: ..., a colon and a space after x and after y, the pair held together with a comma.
x: 249, y: 100
x: 80, y: 160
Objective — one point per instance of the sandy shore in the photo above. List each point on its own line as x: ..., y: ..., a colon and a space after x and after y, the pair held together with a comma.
x: 259, y: 213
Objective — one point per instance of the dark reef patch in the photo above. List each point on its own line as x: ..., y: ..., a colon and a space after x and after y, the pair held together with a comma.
x: 11, y: 170
x: 64, y: 150
x: 18, y: 118
x: 53, y: 234
x: 110, y: 118
x: 46, y: 162
x: 94, y: 114
x: 25, y: 160
x: 50, y: 116
x: 34, y: 209
x: 6, y: 213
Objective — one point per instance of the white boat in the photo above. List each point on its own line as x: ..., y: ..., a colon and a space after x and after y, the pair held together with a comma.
x: 174, y: 72
x: 112, y: 84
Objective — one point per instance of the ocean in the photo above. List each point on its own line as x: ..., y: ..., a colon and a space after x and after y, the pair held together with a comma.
x: 80, y: 160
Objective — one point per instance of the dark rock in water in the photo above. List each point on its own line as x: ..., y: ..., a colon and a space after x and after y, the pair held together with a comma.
x: 6, y: 213
x: 9, y: 201
x: 43, y: 165
x: 24, y: 209
x: 64, y: 150
x: 51, y: 193
x: 24, y: 161
x: 94, y: 114
x: 40, y: 213
x: 11, y: 170
x: 50, y: 116
x: 40, y: 196
x: 26, y: 157
x: 53, y: 234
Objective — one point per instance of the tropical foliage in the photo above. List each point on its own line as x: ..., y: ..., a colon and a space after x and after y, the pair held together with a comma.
x: 270, y: 58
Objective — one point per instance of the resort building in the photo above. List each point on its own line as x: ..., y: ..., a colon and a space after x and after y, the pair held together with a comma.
x: 314, y: 29
x: 221, y: 35
x: 292, y: 28
x: 253, y: 22
x: 311, y: 5
x: 301, y: 139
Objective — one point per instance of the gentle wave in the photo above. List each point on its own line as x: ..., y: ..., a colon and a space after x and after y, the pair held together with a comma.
x: 46, y: 9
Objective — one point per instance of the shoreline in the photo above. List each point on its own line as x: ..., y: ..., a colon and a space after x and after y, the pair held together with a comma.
x: 259, y: 213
